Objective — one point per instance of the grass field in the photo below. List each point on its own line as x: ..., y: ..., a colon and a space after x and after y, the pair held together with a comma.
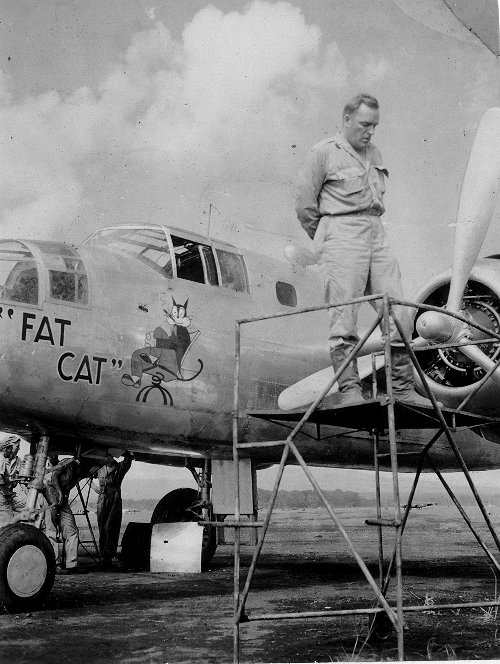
x: 304, y: 566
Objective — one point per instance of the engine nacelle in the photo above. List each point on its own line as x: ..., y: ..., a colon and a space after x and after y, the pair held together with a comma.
x: 451, y: 375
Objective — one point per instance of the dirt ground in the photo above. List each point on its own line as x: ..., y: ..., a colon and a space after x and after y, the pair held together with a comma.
x: 165, y: 618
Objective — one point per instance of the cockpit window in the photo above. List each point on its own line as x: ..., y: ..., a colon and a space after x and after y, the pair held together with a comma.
x: 232, y: 271
x: 194, y: 261
x: 148, y: 245
x: 67, y: 276
x: 180, y: 257
x: 18, y: 274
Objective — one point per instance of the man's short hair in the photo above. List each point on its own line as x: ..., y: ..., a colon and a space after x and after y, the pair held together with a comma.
x: 355, y: 102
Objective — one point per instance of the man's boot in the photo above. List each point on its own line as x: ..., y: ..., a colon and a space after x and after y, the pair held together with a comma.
x: 349, y: 382
x: 403, y: 384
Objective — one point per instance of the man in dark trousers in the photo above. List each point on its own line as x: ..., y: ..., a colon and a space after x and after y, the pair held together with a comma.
x: 109, y: 505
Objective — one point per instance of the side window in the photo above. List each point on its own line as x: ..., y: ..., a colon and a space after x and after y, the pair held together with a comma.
x: 18, y: 274
x: 68, y: 282
x: 22, y: 284
x: 67, y: 275
x: 232, y: 271
x: 286, y: 294
x: 194, y: 261
x: 25, y: 287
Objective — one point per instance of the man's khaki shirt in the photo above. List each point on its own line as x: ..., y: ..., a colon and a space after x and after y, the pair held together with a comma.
x: 8, y: 471
x: 336, y: 180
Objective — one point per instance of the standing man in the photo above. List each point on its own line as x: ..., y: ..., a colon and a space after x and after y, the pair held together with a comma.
x: 109, y: 505
x: 65, y: 476
x: 339, y: 204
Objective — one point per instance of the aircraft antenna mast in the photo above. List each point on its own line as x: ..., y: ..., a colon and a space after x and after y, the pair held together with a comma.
x: 210, y: 206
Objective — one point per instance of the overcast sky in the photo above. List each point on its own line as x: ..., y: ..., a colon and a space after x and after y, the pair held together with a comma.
x: 127, y: 110
x: 148, y: 111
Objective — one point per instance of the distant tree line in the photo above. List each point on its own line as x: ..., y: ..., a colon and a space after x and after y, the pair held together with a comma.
x: 288, y: 500
x: 293, y: 500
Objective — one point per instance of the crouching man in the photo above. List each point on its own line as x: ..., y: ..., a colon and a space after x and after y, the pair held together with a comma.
x: 10, y: 505
x: 65, y: 476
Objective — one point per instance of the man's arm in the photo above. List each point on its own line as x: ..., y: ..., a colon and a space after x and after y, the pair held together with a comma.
x: 4, y: 475
x: 310, y: 182
x: 124, y: 466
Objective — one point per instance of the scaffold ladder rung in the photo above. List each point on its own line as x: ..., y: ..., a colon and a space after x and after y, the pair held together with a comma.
x: 267, y: 443
x: 233, y: 524
x: 382, y: 455
x: 382, y: 522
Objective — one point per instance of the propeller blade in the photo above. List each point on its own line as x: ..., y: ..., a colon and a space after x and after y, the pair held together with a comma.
x: 482, y: 360
x: 374, y: 343
x: 418, y: 342
x: 477, y: 201
x: 307, y: 390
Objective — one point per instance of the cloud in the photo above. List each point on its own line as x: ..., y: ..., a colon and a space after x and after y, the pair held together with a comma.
x: 226, y: 100
x: 235, y: 90
x: 41, y: 142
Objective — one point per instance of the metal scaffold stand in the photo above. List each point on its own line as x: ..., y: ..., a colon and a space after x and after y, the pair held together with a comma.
x: 379, y: 414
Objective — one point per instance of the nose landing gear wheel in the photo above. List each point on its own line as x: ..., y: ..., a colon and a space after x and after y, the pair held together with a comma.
x: 27, y: 567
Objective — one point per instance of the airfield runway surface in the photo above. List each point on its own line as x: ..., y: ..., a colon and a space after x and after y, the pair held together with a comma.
x: 159, y: 618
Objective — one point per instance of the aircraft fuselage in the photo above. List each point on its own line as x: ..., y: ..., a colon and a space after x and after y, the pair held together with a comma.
x: 112, y: 346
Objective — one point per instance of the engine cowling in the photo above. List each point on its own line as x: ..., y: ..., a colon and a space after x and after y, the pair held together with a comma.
x: 452, y: 376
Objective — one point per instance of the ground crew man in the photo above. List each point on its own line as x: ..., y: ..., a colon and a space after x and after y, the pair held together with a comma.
x: 109, y: 505
x: 48, y: 524
x: 65, y: 476
x: 339, y: 204
x: 9, y: 467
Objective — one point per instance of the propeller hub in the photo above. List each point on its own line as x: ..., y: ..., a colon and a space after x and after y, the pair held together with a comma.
x: 435, y: 327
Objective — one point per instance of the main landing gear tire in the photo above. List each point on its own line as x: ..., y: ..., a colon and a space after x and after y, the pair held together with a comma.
x: 27, y: 567
x: 177, y: 506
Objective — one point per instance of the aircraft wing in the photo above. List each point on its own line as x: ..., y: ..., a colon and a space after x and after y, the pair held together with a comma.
x: 467, y: 20
x: 310, y: 388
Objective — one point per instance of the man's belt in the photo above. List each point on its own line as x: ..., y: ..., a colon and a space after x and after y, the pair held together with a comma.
x: 370, y: 212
